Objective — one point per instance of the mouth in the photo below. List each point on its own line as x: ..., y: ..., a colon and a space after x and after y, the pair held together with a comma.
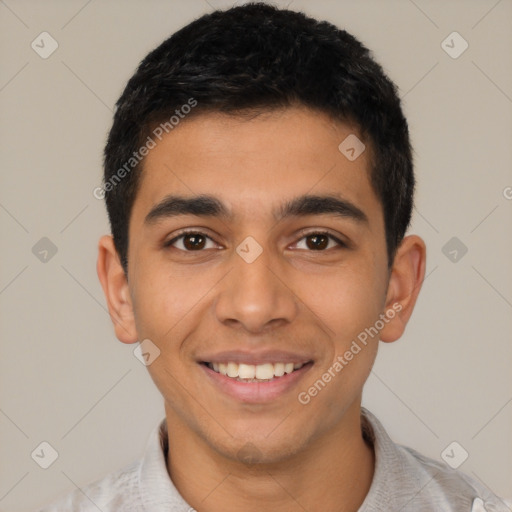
x: 250, y: 373
x: 255, y: 383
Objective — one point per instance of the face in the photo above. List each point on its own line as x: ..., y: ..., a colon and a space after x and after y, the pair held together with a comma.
x: 281, y: 267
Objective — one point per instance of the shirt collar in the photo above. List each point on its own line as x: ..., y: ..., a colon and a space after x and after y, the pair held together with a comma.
x: 157, y: 492
x: 386, y: 456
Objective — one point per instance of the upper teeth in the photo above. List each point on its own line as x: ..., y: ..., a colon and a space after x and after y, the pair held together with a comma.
x: 255, y: 371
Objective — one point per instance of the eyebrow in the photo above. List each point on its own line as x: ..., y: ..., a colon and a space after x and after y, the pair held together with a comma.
x: 210, y: 206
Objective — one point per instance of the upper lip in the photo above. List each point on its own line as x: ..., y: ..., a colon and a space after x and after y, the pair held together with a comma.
x: 255, y: 357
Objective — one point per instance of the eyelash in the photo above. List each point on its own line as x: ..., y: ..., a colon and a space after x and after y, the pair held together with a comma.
x: 302, y: 235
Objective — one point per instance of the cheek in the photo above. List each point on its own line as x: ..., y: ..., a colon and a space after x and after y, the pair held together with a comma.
x: 160, y: 301
x: 348, y: 301
x: 163, y: 314
x: 350, y: 305
x: 170, y: 303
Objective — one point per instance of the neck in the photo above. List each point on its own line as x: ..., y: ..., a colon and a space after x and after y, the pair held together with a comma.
x: 335, y: 470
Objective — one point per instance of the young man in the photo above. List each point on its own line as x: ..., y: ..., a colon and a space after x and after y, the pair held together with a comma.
x: 259, y: 184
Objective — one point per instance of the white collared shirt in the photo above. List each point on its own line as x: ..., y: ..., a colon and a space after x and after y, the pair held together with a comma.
x: 403, y: 481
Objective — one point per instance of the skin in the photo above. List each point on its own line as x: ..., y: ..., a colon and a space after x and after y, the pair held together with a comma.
x: 292, y: 297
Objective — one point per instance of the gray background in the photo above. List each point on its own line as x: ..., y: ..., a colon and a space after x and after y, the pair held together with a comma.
x: 66, y: 380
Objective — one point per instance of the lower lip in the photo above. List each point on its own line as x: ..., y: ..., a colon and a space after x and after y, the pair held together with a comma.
x: 256, y: 392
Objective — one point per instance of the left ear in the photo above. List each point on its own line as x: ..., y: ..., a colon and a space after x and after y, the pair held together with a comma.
x: 405, y: 282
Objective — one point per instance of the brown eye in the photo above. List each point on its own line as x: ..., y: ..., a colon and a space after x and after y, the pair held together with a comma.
x: 191, y: 241
x: 194, y: 241
x: 319, y: 241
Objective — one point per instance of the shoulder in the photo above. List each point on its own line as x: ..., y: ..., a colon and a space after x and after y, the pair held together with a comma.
x: 445, y: 488
x: 408, y: 481
x: 116, y: 491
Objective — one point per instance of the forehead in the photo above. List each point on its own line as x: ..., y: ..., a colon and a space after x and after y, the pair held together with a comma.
x: 254, y: 163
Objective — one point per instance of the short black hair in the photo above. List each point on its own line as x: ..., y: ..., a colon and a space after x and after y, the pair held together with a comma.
x: 257, y: 58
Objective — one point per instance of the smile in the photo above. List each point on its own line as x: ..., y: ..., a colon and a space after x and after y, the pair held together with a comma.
x: 255, y: 383
x: 254, y: 373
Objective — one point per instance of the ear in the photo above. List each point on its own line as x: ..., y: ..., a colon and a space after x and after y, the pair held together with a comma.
x: 404, y: 285
x: 115, y: 287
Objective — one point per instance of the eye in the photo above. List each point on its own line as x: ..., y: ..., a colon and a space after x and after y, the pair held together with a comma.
x: 191, y: 241
x: 320, y: 241
x: 196, y: 241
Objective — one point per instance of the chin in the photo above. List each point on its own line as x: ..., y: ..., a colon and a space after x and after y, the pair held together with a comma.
x: 260, y: 451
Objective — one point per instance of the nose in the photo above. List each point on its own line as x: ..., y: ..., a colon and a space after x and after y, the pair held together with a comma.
x: 256, y: 296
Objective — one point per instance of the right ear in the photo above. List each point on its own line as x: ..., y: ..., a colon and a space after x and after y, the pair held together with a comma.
x: 115, y: 287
